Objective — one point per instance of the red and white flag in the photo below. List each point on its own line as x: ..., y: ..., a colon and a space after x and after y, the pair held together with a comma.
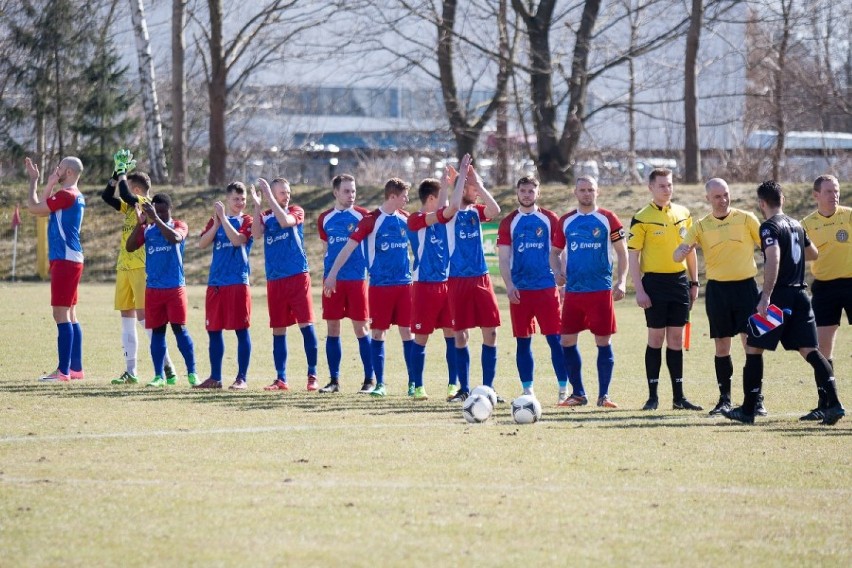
x: 16, y: 217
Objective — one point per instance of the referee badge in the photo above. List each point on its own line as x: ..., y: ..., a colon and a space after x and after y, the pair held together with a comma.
x: 842, y: 236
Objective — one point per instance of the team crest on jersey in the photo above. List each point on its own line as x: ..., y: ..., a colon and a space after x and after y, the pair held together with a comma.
x: 539, y: 232
x: 842, y: 236
x: 596, y: 232
x: 350, y: 227
x: 765, y: 233
x: 402, y: 232
x: 472, y: 221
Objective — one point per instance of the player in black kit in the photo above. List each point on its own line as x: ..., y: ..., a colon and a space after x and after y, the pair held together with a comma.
x: 785, y: 248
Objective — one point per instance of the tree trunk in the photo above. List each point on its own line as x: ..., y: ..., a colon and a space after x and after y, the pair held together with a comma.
x: 691, y: 147
x: 178, y: 93
x: 217, y: 89
x: 778, y: 93
x: 153, y: 123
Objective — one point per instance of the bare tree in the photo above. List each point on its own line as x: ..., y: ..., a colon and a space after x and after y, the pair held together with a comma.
x: 178, y: 93
x: 692, y: 149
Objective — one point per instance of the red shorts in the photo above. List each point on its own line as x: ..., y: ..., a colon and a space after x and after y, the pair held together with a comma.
x: 64, y: 279
x: 472, y: 302
x: 227, y: 307
x: 165, y: 305
x: 390, y: 305
x: 289, y: 300
x: 348, y: 301
x: 430, y: 307
x: 588, y: 310
x: 536, y: 305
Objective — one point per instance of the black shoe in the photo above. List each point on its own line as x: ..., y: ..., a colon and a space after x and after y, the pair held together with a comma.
x: 651, y: 404
x: 739, y: 415
x: 759, y: 408
x: 832, y: 414
x: 684, y: 404
x: 367, y: 387
x: 723, y: 404
x: 500, y: 399
x: 815, y: 415
x: 333, y: 386
x: 460, y: 396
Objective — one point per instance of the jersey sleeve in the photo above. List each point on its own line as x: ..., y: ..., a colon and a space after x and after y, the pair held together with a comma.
x: 245, y: 228
x: 297, y: 212
x: 321, y: 225
x: 504, y: 232
x: 768, y: 236
x: 62, y: 199
x: 417, y: 221
x: 441, y: 219
x: 480, y: 207
x: 559, y: 235
x: 207, y: 227
x: 691, y: 237
x: 753, y: 226
x: 616, y: 229
x: 181, y: 228
x: 636, y: 238
x: 364, y: 228
x: 555, y: 229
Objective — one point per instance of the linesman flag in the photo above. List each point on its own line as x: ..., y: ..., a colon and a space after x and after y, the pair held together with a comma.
x: 16, y: 217
x: 760, y: 325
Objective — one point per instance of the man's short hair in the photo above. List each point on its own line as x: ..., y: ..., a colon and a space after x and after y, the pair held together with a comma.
x: 395, y: 186
x: 825, y: 177
x: 339, y: 179
x: 237, y: 187
x: 74, y: 163
x: 527, y: 180
x: 427, y: 187
x: 659, y: 172
x: 281, y: 180
x: 139, y: 179
x: 590, y: 179
x: 162, y: 198
x: 770, y: 191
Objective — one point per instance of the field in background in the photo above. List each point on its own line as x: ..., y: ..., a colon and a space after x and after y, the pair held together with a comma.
x: 92, y: 474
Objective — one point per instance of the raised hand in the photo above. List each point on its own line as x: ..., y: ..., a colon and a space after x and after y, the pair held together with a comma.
x: 219, y: 211
x: 53, y: 179
x: 255, y: 196
x: 32, y: 169
x: 150, y: 211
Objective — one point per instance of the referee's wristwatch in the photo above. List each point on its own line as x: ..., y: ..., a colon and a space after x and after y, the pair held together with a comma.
x: 694, y: 284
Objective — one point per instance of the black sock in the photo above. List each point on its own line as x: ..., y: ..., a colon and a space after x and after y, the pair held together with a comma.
x: 824, y: 376
x: 724, y: 372
x: 653, y: 362
x: 752, y: 382
x: 674, y: 362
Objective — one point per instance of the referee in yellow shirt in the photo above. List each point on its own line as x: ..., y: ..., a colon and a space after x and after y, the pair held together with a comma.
x: 663, y: 288
x: 727, y: 238
x: 829, y: 228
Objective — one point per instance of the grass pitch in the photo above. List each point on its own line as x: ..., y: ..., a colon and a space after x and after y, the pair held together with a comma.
x: 92, y: 474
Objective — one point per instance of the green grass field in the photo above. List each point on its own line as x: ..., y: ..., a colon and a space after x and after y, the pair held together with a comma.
x: 92, y: 474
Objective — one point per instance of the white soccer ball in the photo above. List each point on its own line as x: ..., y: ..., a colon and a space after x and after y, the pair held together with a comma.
x: 487, y: 392
x: 526, y: 409
x: 477, y: 408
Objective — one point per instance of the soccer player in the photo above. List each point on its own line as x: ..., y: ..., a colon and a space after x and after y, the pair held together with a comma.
x: 228, y: 303
x: 349, y: 300
x: 165, y: 292
x: 590, y: 236
x: 65, y: 208
x: 785, y: 246
x: 430, y: 301
x: 472, y: 299
x: 525, y: 239
x: 288, y: 282
x: 385, y: 233
x: 727, y: 238
x: 829, y: 228
x: 665, y: 289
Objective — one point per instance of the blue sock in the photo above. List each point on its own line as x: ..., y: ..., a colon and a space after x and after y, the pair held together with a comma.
x: 452, y: 373
x: 243, y: 352
x: 309, y: 338
x: 574, y: 364
x: 77, y: 348
x: 489, y: 364
x: 333, y: 354
x: 158, y: 351
x: 418, y: 362
x: 463, y: 368
x: 186, y: 348
x: 64, y: 343
x: 365, y: 349
x: 279, y: 356
x: 377, y: 353
x: 216, y: 350
x: 557, y: 357
x: 524, y: 360
x: 606, y: 361
x: 406, y: 353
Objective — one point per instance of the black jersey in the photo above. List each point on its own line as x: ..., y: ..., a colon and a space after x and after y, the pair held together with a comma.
x: 787, y: 234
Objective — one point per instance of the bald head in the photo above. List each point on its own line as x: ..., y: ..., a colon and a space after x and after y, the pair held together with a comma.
x: 715, y: 183
x: 719, y: 197
x: 69, y: 170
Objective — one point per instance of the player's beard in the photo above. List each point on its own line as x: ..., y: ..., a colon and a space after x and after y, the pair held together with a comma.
x: 527, y: 203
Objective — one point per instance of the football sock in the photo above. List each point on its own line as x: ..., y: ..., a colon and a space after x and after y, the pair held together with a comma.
x: 574, y: 364
x: 64, y: 339
x: 216, y: 350
x: 243, y: 352
x: 452, y: 373
x: 489, y: 364
x: 309, y: 338
x: 674, y: 362
x: 333, y: 353
x: 77, y: 347
x: 557, y: 358
x: 377, y: 352
x: 130, y: 344
x: 185, y: 346
x: 823, y: 376
x: 279, y: 356
x: 653, y: 362
x: 463, y: 367
x: 524, y: 360
x: 167, y: 361
x: 606, y: 362
x: 752, y: 381
x: 724, y: 372
x: 418, y: 362
x: 158, y: 351
x: 366, y: 356
x: 406, y: 353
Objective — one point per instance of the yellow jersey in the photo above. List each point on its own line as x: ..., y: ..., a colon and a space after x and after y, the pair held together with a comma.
x: 129, y: 260
x: 727, y: 244
x: 657, y: 232
x: 831, y: 237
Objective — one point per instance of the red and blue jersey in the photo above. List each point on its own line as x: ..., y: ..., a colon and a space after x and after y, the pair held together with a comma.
x: 587, y: 239
x: 464, y: 241
x: 335, y: 226
x: 529, y: 237
x: 230, y: 264
x: 63, y: 230
x: 386, y: 245
x: 284, y: 247
x: 429, y: 243
x: 164, y: 260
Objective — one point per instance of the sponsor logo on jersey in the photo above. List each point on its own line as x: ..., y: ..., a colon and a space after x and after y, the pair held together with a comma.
x: 152, y: 249
x: 765, y: 233
x: 524, y: 246
x: 335, y: 240
x: 435, y: 240
x: 470, y: 235
x: 842, y: 236
x: 574, y: 245
x: 387, y: 246
x: 274, y: 239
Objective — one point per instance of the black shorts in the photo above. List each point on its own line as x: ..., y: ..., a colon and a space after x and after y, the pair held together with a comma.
x: 830, y: 298
x: 799, y: 327
x: 729, y: 305
x: 669, y: 295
